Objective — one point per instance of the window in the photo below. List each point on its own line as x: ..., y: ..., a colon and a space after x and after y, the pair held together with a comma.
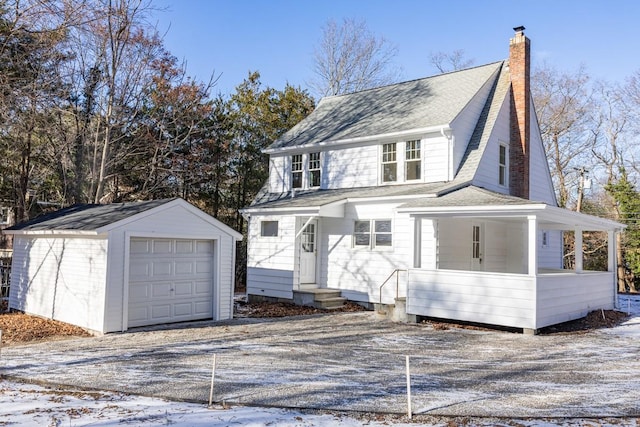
x: 4, y: 215
x: 389, y: 165
x: 412, y: 160
x: 475, y: 242
x: 502, y: 166
x: 296, y: 171
x: 372, y: 233
x: 362, y: 233
x: 269, y: 228
x: 314, y: 169
x: 382, y: 233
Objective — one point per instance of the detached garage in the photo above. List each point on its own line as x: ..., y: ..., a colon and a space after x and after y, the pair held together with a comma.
x: 112, y: 267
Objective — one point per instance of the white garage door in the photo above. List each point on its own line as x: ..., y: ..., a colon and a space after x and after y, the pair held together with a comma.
x: 170, y: 280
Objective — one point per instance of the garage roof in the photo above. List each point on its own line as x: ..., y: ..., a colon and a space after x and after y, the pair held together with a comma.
x: 87, y: 217
x: 94, y: 219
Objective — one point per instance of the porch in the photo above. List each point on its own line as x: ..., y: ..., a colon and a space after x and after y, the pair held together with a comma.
x: 507, y: 299
x: 502, y: 264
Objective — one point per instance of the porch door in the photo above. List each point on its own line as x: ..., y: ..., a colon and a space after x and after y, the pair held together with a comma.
x: 477, y: 246
x: 308, y: 250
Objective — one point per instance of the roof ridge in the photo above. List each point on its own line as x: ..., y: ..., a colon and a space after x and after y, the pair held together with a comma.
x: 433, y: 76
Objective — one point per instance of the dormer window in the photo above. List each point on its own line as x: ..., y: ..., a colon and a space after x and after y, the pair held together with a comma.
x: 389, y: 163
x: 296, y: 171
x: 502, y: 165
x: 412, y: 160
x: 314, y: 169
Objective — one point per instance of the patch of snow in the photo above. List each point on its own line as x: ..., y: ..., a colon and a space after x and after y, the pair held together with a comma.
x: 32, y: 405
x: 629, y: 304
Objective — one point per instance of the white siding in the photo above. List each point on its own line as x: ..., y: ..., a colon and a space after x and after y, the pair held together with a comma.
x: 279, y: 173
x: 491, y: 298
x: 495, y: 247
x: 436, y: 158
x: 61, y: 278
x: 359, y: 272
x: 171, y: 222
x: 540, y: 183
x: 428, y: 255
x: 454, y: 244
x: 270, y: 260
x: 351, y: 167
x: 517, y: 248
x: 487, y: 173
x: 512, y: 300
x: 551, y: 255
x: 561, y: 300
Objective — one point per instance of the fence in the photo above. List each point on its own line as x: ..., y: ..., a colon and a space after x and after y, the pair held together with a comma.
x: 5, y: 281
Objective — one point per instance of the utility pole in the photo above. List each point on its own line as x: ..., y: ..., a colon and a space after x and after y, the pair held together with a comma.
x: 582, y: 187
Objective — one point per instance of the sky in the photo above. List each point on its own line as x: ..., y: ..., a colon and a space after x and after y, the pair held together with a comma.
x: 229, y: 38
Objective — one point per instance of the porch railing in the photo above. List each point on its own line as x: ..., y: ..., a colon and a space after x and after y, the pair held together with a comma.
x: 396, y: 272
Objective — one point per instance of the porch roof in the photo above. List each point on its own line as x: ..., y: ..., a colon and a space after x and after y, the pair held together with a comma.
x: 473, y: 201
x: 316, y: 200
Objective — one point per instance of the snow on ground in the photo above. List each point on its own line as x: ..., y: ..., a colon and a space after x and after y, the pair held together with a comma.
x: 32, y: 405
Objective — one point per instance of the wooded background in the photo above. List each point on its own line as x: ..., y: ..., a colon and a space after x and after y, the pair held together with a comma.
x: 94, y: 109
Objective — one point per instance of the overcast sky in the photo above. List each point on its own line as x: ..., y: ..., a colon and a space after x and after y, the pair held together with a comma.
x: 277, y: 37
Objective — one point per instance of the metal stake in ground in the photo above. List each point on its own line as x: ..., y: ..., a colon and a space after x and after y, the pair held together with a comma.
x: 408, y: 389
x: 213, y: 374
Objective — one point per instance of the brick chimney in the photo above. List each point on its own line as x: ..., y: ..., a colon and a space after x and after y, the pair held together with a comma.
x: 519, y: 158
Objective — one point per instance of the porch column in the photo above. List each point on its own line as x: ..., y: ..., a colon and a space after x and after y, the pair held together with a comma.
x: 611, y: 251
x: 416, y: 226
x: 577, y: 249
x: 532, y: 244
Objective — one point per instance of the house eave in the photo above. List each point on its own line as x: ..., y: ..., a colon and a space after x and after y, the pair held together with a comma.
x: 543, y: 212
x: 368, y: 138
x: 56, y: 233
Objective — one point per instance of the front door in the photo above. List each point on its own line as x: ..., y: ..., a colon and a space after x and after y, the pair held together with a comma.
x: 308, y: 250
x: 477, y: 246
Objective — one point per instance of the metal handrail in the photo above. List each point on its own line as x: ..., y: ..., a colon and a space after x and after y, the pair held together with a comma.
x: 396, y: 271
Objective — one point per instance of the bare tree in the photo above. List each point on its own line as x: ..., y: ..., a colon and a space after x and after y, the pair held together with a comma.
x: 350, y: 58
x: 564, y: 107
x: 453, y: 61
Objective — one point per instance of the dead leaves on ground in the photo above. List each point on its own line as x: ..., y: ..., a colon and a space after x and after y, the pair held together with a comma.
x: 23, y: 328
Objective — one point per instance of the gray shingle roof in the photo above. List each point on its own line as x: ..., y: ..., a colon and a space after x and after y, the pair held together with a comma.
x: 484, y: 127
x: 87, y: 217
x: 468, y: 196
x: 315, y: 198
x: 415, y: 104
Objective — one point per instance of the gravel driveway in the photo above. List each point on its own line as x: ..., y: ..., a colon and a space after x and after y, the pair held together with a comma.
x: 354, y: 361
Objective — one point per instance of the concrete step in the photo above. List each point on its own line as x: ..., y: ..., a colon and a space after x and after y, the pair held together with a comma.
x: 329, y: 303
x: 319, y: 297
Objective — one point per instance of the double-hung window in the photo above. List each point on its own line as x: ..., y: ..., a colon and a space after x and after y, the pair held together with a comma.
x: 314, y: 169
x: 296, y: 171
x: 412, y: 160
x: 502, y: 165
x: 389, y: 163
x: 372, y: 233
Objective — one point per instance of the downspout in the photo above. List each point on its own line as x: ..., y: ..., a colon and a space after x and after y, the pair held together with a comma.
x: 445, y: 131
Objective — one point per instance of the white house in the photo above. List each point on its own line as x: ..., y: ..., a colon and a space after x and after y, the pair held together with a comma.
x: 112, y: 267
x: 435, y: 190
